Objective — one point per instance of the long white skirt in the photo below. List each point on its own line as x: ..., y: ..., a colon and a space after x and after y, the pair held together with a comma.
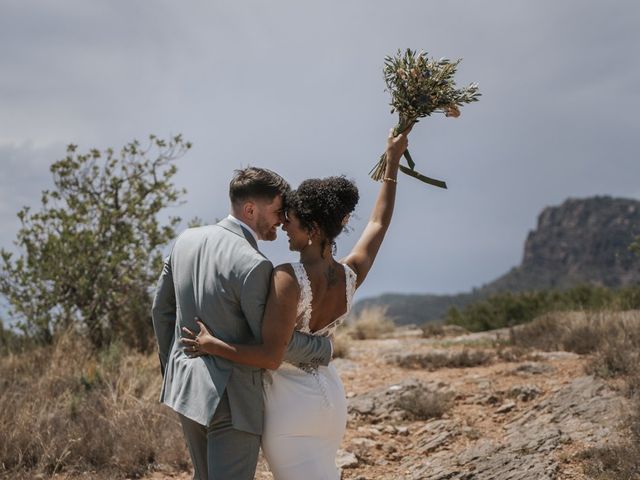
x: 305, y: 420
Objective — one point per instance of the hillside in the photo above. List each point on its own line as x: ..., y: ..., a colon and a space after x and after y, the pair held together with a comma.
x: 581, y: 241
x: 546, y: 403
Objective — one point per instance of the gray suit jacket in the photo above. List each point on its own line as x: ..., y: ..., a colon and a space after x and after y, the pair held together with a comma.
x: 216, y: 273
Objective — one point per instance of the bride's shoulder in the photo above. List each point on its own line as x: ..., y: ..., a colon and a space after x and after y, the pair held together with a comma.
x: 284, y: 272
x: 285, y: 268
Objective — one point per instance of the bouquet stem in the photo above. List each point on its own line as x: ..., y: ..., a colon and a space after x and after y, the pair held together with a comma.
x: 377, y: 172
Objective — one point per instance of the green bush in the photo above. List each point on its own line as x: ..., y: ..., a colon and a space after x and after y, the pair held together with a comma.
x: 509, y: 309
x: 90, y: 254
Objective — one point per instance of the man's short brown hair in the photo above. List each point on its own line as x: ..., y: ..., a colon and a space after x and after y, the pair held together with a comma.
x: 254, y: 183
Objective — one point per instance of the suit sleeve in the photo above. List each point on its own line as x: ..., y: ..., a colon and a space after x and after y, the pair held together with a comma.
x: 308, y: 349
x: 163, y: 313
x: 253, y: 296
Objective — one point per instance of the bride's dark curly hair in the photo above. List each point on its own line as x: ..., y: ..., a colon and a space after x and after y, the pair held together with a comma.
x: 325, y: 203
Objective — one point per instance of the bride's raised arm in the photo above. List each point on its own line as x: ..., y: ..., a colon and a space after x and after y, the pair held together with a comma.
x: 365, y: 250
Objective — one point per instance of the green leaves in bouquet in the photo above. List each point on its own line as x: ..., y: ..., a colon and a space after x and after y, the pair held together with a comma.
x: 420, y: 86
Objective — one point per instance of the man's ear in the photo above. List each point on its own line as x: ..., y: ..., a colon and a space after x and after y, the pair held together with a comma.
x: 249, y: 209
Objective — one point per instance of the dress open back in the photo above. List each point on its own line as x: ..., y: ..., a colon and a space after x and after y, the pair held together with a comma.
x: 305, y: 405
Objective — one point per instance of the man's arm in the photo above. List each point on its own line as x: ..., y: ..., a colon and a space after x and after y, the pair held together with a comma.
x: 163, y: 313
x: 305, y: 348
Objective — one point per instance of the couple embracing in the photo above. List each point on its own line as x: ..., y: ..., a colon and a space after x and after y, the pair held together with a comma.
x: 245, y: 348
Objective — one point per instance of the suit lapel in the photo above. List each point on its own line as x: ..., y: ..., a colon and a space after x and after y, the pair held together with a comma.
x: 236, y: 228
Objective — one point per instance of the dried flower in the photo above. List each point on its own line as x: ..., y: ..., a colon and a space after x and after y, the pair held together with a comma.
x: 452, y: 111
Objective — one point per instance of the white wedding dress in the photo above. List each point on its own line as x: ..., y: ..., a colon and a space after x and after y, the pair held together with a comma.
x: 305, y: 406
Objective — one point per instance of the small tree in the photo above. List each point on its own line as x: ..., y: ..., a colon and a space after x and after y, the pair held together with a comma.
x: 92, y: 253
x: 635, y: 246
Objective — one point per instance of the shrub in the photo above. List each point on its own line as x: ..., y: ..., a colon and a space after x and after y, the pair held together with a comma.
x: 430, y: 330
x: 422, y: 404
x: 371, y: 323
x: 93, y: 250
x: 65, y: 408
x: 510, y: 309
x: 437, y: 359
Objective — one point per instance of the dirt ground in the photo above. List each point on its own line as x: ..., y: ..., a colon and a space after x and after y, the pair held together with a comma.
x: 370, y: 366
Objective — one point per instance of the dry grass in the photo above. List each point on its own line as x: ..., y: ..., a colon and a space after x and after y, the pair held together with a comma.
x: 65, y: 408
x: 438, y: 330
x: 422, y: 404
x: 371, y: 323
x: 616, y: 461
x: 579, y: 332
x: 437, y: 359
x: 341, y: 344
x: 611, y: 338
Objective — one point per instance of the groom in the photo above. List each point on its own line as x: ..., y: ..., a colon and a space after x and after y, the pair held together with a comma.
x: 217, y: 273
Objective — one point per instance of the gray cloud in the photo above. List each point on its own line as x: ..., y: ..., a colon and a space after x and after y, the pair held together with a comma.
x: 297, y: 87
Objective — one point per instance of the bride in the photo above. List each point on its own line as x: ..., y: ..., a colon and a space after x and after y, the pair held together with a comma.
x: 305, y: 405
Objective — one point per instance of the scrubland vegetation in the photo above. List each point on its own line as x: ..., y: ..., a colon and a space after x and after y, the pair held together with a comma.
x: 509, y: 309
x: 612, y: 339
x: 67, y: 408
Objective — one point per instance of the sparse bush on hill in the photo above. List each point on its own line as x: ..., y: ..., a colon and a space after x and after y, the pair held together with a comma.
x: 92, y: 252
x: 635, y: 246
x: 65, y: 408
x: 509, y: 309
x: 423, y: 404
x: 600, y: 333
x: 430, y: 330
x: 371, y: 323
x: 437, y: 359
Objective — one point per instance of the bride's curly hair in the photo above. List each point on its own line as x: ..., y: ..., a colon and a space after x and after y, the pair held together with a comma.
x: 325, y: 203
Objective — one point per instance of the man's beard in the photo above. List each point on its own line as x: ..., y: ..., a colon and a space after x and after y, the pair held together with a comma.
x: 265, y: 231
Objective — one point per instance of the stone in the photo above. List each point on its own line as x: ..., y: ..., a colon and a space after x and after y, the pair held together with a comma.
x: 346, y: 459
x: 584, y: 411
x: 524, y: 392
x: 534, y: 368
x: 506, y: 407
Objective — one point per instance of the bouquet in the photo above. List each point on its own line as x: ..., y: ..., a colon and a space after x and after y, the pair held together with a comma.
x: 420, y: 86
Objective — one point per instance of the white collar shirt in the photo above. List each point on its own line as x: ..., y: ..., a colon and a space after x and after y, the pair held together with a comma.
x: 244, y: 225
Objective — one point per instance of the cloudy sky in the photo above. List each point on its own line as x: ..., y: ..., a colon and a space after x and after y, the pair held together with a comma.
x: 297, y: 87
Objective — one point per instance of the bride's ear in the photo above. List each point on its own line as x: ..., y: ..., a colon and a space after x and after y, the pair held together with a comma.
x: 315, y: 231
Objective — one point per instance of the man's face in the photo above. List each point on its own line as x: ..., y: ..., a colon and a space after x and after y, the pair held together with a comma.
x: 268, y: 217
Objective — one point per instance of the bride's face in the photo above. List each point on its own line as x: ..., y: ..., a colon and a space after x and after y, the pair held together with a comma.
x: 298, y: 236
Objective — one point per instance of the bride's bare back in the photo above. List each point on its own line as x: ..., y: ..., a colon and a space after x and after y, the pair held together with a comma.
x: 325, y: 295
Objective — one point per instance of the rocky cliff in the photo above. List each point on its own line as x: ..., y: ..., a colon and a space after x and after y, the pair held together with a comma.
x: 580, y: 241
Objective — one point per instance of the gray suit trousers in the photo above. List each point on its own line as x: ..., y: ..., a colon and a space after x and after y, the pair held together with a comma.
x: 220, y: 452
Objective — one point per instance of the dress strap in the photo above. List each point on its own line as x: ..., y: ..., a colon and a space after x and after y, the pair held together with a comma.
x: 351, y: 280
x: 306, y: 297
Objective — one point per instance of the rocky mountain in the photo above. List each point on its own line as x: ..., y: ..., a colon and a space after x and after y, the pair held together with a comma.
x: 581, y: 241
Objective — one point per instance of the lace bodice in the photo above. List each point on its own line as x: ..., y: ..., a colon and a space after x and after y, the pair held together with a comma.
x: 306, y: 297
